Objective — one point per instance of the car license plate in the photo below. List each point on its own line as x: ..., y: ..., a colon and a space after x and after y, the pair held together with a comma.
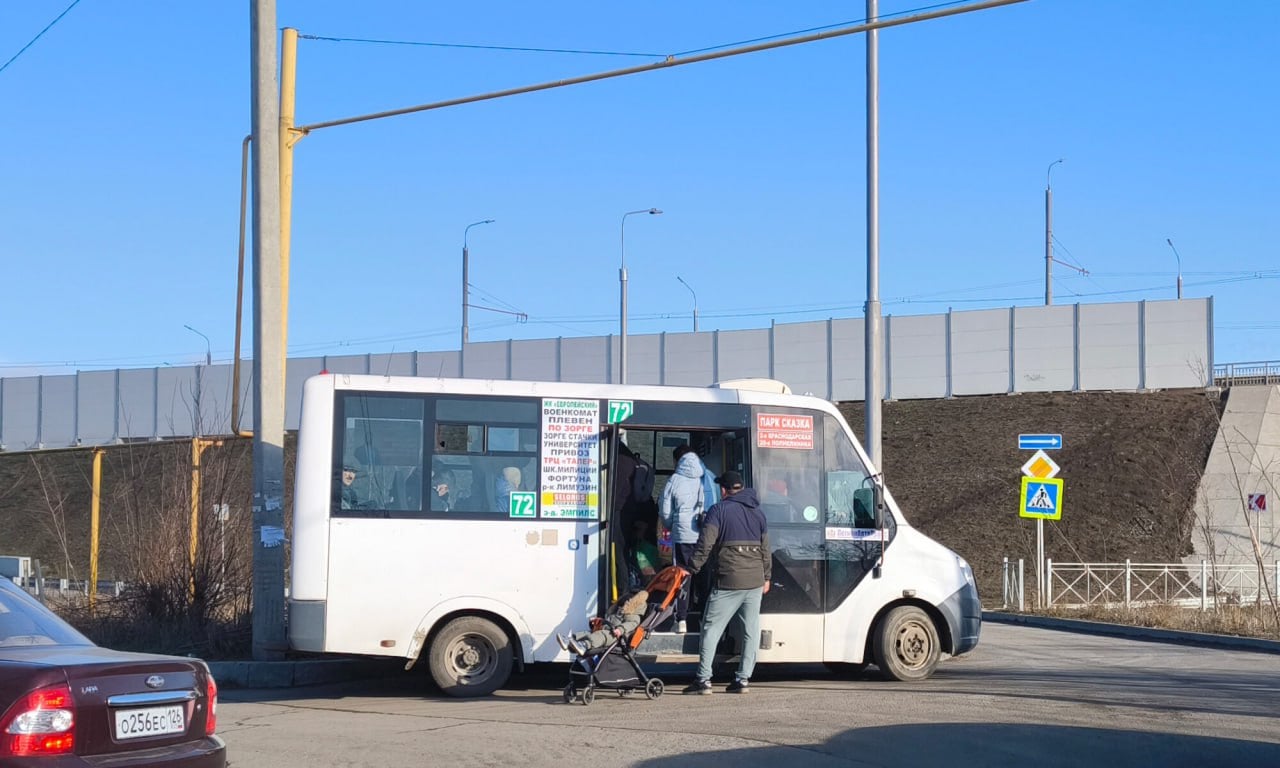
x: 152, y: 721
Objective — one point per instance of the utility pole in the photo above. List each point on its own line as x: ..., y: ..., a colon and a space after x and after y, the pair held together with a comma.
x: 269, y: 640
x: 1048, y: 234
x: 873, y: 328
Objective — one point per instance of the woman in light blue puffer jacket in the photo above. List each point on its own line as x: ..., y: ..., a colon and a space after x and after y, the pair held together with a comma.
x: 684, y: 500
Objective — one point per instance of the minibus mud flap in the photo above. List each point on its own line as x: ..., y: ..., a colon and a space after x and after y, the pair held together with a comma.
x: 415, y: 648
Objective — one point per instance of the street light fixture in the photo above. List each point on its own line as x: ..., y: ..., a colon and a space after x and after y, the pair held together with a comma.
x: 208, y: 353
x: 622, y: 301
x: 466, y: 291
x: 695, y: 302
x: 1169, y: 240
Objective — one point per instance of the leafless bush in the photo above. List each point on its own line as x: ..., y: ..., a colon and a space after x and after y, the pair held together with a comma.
x: 172, y: 603
x: 55, y: 498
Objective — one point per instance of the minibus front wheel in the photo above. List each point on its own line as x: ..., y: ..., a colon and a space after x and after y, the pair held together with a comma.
x: 906, y: 644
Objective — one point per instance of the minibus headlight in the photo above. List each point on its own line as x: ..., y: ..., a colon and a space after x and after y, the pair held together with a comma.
x: 963, y: 565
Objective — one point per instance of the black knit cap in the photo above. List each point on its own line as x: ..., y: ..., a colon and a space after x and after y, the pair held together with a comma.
x: 730, y: 480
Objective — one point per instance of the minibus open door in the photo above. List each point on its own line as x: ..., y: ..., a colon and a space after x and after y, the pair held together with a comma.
x: 613, y: 570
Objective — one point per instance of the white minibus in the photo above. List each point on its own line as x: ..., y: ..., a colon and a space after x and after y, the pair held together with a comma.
x: 464, y: 523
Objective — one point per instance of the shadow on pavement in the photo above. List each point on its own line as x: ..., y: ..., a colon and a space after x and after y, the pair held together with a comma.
x: 1000, y: 744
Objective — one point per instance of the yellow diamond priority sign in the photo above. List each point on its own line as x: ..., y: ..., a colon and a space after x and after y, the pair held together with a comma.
x: 1041, y: 466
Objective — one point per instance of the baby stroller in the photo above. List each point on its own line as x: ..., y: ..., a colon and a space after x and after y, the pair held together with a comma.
x: 614, y: 666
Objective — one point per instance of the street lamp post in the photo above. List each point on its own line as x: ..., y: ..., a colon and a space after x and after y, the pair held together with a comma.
x: 695, y: 302
x: 622, y: 300
x: 1048, y: 234
x: 208, y: 361
x: 1169, y: 240
x: 208, y: 353
x: 466, y: 292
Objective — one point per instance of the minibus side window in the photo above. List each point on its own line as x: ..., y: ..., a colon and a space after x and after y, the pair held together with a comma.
x: 377, y: 462
x: 484, y: 451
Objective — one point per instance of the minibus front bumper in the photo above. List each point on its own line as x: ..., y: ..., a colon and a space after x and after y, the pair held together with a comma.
x: 963, y: 611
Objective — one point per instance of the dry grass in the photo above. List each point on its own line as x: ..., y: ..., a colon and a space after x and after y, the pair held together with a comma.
x: 1242, y: 621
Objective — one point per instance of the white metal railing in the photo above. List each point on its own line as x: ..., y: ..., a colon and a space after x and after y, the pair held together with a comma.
x: 64, y: 587
x: 1261, y: 372
x: 1131, y: 584
x: 1013, y: 585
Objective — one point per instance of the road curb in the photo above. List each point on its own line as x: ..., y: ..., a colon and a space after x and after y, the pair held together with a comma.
x: 288, y: 674
x: 1202, y: 639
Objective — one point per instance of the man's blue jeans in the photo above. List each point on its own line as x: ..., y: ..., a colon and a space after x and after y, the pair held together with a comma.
x: 723, y: 605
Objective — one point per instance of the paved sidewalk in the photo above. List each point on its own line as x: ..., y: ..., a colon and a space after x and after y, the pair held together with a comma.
x: 1203, y: 639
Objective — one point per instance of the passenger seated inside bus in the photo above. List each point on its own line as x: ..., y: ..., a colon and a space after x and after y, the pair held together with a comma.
x: 444, y: 491
x: 505, y: 484
x: 358, y: 489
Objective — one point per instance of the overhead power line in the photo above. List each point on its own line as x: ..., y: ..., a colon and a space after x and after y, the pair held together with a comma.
x: 811, y: 30
x: 593, y: 52
x: 521, y: 49
x: 40, y: 34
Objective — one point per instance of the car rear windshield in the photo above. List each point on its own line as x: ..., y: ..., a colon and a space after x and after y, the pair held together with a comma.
x: 24, y: 621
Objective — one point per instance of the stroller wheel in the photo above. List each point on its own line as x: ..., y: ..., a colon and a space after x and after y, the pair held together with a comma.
x: 654, y: 689
x: 624, y: 693
x: 588, y: 696
x: 570, y: 693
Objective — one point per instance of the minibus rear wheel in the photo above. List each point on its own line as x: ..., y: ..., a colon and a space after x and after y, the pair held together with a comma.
x: 471, y: 656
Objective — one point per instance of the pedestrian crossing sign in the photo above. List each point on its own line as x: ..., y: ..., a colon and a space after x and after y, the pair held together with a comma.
x: 1041, y: 498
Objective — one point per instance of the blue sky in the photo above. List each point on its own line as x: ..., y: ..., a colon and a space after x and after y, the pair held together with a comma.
x: 121, y: 173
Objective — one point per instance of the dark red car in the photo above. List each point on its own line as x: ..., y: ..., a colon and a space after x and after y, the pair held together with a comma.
x: 66, y: 702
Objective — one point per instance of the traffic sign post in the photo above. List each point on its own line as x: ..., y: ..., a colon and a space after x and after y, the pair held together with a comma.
x: 1041, y: 496
x: 1041, y: 499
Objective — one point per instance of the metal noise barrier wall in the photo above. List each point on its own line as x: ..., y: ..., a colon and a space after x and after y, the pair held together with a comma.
x: 1082, y: 347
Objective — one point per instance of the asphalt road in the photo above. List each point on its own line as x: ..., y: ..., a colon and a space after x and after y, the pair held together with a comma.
x: 1024, y: 697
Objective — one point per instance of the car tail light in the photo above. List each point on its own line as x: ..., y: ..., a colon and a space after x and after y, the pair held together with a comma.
x: 41, y: 723
x: 211, y: 714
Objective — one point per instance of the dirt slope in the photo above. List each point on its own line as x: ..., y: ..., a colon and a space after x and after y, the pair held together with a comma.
x: 1131, y: 463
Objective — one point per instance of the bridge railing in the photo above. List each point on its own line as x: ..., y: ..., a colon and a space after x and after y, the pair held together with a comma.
x: 1245, y: 374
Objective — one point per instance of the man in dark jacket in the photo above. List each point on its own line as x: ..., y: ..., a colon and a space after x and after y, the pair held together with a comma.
x: 735, y: 536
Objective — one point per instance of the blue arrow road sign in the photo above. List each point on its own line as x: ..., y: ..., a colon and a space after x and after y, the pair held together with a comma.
x: 1039, y: 442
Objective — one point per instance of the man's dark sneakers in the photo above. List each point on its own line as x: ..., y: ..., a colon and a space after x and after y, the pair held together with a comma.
x: 738, y: 686
x: 700, y: 687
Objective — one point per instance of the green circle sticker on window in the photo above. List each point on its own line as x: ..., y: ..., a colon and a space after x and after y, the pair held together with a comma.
x: 811, y: 514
